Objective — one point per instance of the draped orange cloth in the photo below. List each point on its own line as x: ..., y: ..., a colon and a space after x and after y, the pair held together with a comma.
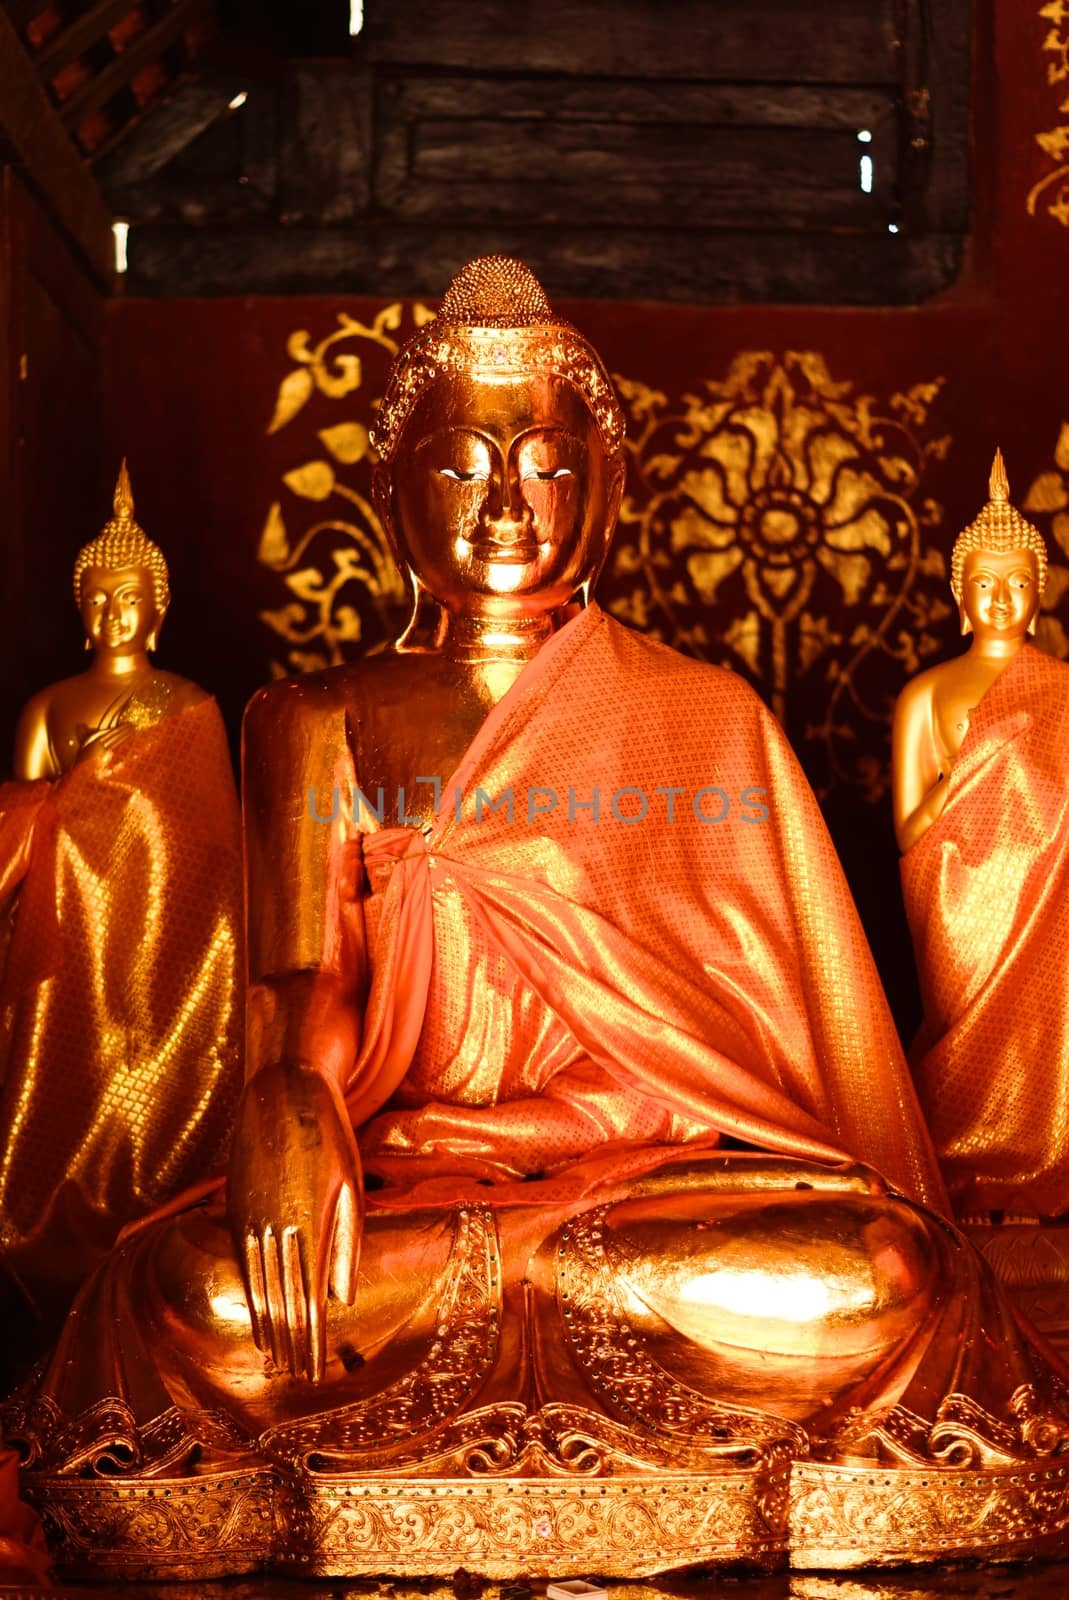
x: 987, y: 895
x: 552, y: 987
x: 121, y: 993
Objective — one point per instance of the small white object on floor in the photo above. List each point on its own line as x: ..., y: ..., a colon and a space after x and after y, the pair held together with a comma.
x: 575, y: 1589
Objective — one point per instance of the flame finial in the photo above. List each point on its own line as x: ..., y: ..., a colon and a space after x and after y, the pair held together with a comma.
x: 124, y: 496
x: 999, y: 483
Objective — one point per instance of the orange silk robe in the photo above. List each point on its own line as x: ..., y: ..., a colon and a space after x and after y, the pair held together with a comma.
x: 987, y: 895
x: 552, y: 988
x: 121, y: 993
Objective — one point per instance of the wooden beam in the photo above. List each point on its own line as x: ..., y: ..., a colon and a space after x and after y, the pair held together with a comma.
x: 32, y: 137
x: 700, y: 266
x: 22, y: 12
x: 772, y: 40
x: 70, y: 43
x: 168, y: 126
x: 148, y: 47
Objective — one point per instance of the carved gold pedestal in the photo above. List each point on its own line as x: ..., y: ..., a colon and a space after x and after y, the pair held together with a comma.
x: 441, y: 1449
x: 632, y: 1524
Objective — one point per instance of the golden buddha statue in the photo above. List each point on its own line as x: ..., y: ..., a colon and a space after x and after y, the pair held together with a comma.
x: 121, y: 986
x: 982, y: 811
x: 575, y: 1217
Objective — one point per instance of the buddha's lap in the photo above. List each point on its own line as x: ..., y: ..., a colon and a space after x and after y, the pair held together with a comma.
x: 785, y: 1302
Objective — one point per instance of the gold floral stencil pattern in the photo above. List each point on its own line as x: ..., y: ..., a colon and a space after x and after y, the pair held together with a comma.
x: 341, y: 582
x: 778, y: 523
x: 1053, y: 188
x: 1047, y: 502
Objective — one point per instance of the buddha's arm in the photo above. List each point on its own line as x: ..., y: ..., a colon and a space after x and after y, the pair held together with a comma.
x: 919, y: 786
x: 34, y: 757
x: 294, y: 1199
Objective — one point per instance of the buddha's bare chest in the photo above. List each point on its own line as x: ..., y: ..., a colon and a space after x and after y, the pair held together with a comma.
x: 73, y: 722
x: 408, y: 739
x: 954, y: 700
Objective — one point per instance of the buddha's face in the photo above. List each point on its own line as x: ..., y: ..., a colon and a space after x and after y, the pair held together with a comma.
x: 1000, y: 593
x: 501, y: 497
x: 118, y: 607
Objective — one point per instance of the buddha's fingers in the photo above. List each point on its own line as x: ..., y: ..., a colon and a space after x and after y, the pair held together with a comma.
x: 256, y: 1293
x: 276, y: 1300
x: 315, y: 1278
x: 345, y: 1246
x: 295, y: 1292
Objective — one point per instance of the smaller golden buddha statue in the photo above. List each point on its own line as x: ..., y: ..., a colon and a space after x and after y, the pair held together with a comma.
x: 122, y: 591
x: 121, y: 986
x: 981, y: 797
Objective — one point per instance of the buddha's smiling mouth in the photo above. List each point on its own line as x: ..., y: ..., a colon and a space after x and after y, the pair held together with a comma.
x: 522, y: 552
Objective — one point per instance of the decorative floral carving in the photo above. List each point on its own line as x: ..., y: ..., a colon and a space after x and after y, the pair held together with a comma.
x: 772, y: 502
x: 1053, y: 188
x: 336, y: 569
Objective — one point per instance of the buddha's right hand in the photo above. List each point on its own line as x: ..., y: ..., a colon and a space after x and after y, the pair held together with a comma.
x: 295, y: 1205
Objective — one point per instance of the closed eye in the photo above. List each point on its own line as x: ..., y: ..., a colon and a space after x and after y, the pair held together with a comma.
x: 463, y: 477
x: 547, y: 477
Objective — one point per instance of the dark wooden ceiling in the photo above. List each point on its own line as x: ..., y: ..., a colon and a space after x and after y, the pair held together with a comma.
x: 702, y: 150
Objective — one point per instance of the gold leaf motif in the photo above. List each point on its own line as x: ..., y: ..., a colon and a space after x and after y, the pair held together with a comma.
x: 1055, y: 143
x: 1056, y: 586
x: 744, y: 637
x: 633, y: 608
x: 294, y: 390
x: 706, y: 489
x: 1061, y: 449
x: 343, y: 380
x: 1048, y: 493
x: 816, y: 636
x: 1060, y: 529
x: 851, y: 572
x: 284, y: 620
x: 306, y: 583
x: 346, y: 441
x: 708, y: 568
x: 314, y: 481
x: 1051, y: 637
x: 1053, y: 187
x: 274, y: 550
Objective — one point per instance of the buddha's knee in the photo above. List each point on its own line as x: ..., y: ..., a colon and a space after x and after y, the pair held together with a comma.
x: 192, y: 1278
x: 846, y: 1277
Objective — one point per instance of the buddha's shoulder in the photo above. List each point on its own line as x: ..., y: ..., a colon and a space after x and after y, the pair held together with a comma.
x: 925, y: 688
x: 659, y: 669
x: 314, y: 698
x: 53, y: 696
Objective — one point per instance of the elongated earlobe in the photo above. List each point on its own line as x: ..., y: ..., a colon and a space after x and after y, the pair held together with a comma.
x: 966, y: 625
x: 1032, y: 626
x: 153, y: 641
